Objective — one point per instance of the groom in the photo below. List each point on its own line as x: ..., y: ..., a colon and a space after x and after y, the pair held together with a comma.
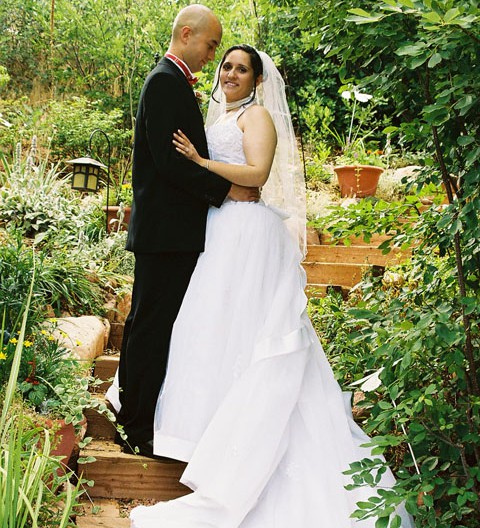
x: 167, y: 226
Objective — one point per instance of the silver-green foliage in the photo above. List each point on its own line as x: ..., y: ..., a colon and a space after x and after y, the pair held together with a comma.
x: 35, y: 199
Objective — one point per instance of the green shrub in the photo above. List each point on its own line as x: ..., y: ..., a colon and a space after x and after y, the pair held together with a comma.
x: 43, y: 363
x: 62, y: 282
x: 315, y: 165
x: 34, y: 199
x: 16, y: 271
x: 4, y: 77
x: 71, y: 123
x: 404, y: 338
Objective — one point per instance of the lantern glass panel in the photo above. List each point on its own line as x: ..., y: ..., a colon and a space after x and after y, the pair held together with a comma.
x: 78, y: 178
x: 92, y: 182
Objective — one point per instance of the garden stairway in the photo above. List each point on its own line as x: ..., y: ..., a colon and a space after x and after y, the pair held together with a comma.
x: 122, y: 479
x: 339, y: 266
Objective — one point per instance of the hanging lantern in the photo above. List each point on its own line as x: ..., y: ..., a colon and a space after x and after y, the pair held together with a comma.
x: 86, y: 174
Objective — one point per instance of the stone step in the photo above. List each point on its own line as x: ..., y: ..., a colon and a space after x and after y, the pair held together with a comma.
x: 352, y: 255
x: 123, y: 476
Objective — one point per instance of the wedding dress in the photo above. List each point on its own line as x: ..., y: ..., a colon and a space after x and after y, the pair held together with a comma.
x: 249, y: 400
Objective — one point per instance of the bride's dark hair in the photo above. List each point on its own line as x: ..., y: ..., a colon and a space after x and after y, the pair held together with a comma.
x: 255, y: 62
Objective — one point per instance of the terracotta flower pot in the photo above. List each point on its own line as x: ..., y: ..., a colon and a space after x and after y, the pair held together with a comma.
x: 64, y: 438
x: 112, y: 217
x: 358, y: 180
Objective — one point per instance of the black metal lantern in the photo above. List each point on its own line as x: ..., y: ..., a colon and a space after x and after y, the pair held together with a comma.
x: 87, y: 171
x: 86, y: 174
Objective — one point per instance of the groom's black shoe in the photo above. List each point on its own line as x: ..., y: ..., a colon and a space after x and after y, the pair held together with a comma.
x: 134, y: 447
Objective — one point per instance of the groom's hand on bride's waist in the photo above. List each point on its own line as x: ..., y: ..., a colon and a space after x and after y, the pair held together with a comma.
x: 244, y: 194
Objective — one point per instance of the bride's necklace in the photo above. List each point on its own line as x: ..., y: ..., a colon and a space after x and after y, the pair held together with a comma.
x: 237, y: 104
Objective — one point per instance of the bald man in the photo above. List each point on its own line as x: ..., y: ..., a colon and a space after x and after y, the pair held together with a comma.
x: 167, y: 226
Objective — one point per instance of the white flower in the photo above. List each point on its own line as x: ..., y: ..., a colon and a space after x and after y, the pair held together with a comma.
x: 362, y: 97
x: 359, y: 96
x: 371, y: 382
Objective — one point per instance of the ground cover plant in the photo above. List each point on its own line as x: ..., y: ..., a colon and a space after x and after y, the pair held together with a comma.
x: 35, y: 489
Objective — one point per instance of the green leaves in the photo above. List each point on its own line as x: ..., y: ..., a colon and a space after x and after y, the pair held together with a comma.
x: 436, y: 115
x: 360, y: 16
x: 464, y: 104
x: 432, y: 17
x: 412, y: 50
x: 434, y: 60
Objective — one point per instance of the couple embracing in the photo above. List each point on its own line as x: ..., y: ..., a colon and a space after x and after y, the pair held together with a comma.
x: 248, y: 399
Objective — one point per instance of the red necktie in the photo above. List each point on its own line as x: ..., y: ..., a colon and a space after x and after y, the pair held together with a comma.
x: 190, y: 78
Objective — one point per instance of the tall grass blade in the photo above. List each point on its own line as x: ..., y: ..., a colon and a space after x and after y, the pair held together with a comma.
x: 12, y: 381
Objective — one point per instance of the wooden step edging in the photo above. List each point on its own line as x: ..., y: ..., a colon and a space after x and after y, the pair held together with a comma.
x: 101, y: 513
x: 123, y: 476
x: 105, y: 368
x: 353, y: 255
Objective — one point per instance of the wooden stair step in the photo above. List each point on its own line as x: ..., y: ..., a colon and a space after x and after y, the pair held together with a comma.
x: 346, y: 275
x: 124, y: 476
x: 116, y: 335
x: 98, y: 425
x: 102, y: 513
x: 105, y: 368
x: 352, y: 255
x: 320, y: 290
x: 375, y: 240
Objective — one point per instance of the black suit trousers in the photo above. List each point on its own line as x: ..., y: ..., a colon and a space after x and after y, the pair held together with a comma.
x: 161, y: 281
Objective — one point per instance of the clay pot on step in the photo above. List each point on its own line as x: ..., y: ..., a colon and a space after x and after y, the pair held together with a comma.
x: 358, y: 180
x: 113, y: 217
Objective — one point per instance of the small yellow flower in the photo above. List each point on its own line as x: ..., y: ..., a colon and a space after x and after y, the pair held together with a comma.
x: 13, y: 340
x: 43, y: 332
x: 51, y: 337
x: 3, y: 356
x: 27, y: 343
x: 53, y: 319
x: 78, y: 343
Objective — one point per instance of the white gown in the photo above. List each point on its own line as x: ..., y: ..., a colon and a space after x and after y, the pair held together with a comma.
x: 249, y: 399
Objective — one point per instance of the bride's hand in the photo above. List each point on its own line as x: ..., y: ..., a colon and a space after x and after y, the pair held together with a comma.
x: 186, y: 148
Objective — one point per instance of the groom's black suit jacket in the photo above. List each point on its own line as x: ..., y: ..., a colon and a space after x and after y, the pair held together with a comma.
x: 166, y: 232
x: 171, y: 194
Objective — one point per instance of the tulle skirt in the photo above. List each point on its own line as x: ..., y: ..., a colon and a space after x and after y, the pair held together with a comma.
x: 249, y: 400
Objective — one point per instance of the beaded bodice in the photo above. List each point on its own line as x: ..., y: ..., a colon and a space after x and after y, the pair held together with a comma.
x: 225, y: 139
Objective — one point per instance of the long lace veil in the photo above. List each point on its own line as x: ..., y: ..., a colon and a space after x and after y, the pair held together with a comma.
x: 285, y: 187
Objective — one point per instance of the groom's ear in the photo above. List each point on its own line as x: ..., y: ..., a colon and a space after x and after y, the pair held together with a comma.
x: 185, y: 34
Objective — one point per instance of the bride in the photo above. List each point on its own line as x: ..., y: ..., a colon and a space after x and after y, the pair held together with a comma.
x: 250, y: 401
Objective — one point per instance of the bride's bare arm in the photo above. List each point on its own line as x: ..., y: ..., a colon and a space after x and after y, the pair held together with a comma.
x: 259, y: 142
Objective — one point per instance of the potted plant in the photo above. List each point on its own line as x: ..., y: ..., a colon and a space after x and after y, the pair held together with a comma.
x: 358, y: 167
x: 54, y: 384
x: 358, y: 170
x: 28, y: 471
x: 64, y: 410
x: 119, y: 206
